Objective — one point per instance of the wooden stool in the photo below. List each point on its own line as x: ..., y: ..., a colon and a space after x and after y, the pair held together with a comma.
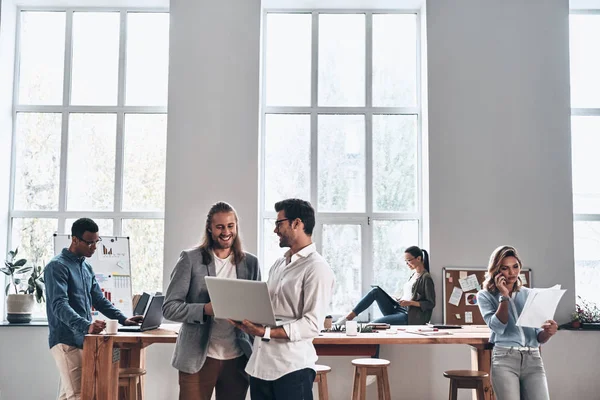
x: 466, y: 379
x: 321, y: 379
x: 370, y: 366
x: 129, y: 378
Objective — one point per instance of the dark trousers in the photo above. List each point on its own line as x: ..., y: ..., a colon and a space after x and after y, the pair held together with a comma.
x: 296, y: 385
x: 226, y: 376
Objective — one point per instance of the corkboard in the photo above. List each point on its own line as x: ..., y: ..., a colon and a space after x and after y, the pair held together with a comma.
x: 451, y: 276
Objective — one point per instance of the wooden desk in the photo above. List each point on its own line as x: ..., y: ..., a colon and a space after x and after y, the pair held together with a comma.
x: 102, y: 353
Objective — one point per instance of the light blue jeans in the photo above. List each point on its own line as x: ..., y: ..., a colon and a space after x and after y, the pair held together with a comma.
x: 518, y: 374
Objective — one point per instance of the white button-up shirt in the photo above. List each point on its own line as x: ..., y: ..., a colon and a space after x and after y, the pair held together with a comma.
x: 300, y: 287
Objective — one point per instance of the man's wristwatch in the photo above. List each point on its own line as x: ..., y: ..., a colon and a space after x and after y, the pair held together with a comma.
x: 267, y: 336
x: 504, y: 298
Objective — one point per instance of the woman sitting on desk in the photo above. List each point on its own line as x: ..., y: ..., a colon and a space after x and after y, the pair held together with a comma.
x: 517, y: 367
x: 415, y: 305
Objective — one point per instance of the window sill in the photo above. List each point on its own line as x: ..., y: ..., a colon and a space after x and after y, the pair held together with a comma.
x: 584, y: 327
x: 32, y: 323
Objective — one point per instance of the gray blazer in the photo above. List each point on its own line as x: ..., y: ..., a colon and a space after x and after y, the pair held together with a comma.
x: 184, y: 302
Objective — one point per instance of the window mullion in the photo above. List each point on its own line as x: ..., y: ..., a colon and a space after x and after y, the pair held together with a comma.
x: 314, y: 145
x: 120, y: 140
x: 64, y: 144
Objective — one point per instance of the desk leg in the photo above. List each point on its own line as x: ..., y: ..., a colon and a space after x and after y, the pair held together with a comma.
x: 481, y: 360
x: 100, y: 369
x: 88, y: 368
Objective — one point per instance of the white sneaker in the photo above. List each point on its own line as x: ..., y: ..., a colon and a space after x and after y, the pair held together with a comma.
x: 371, y: 379
x: 341, y: 321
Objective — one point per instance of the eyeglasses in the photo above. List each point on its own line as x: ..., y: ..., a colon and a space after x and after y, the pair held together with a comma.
x: 408, y: 261
x: 88, y: 243
x: 279, y: 221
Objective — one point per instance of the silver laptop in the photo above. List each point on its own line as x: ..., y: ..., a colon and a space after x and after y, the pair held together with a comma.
x: 240, y: 299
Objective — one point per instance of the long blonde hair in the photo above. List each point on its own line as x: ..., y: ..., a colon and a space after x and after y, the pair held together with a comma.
x: 495, y: 264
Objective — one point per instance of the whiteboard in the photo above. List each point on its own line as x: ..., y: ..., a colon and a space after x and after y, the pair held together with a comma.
x: 112, y: 267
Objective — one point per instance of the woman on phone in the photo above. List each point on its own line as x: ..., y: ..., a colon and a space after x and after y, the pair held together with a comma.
x: 417, y: 301
x: 517, y: 367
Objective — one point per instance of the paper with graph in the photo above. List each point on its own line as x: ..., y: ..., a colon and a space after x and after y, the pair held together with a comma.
x: 540, y: 306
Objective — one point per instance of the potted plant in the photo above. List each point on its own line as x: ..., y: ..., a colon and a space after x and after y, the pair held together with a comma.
x: 575, y: 320
x: 18, y: 305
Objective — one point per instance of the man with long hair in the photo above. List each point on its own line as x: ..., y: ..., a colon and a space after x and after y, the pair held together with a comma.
x: 71, y: 291
x: 210, y: 353
x: 282, y: 366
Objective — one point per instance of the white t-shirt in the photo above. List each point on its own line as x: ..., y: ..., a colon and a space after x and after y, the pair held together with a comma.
x: 407, y: 290
x: 222, y: 344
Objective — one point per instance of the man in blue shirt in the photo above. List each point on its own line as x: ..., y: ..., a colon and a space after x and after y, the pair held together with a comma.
x: 71, y: 292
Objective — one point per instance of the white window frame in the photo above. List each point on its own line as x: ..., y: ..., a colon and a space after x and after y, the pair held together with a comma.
x: 117, y: 215
x: 363, y: 219
x: 65, y: 109
x: 585, y: 112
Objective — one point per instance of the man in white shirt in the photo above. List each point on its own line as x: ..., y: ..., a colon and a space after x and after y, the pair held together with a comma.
x: 210, y: 354
x: 282, y: 365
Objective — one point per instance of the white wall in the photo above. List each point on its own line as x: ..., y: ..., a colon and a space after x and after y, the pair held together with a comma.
x: 499, y: 170
x: 212, y: 145
x: 499, y: 136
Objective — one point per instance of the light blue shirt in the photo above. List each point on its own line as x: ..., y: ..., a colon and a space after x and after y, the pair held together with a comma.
x: 509, y: 334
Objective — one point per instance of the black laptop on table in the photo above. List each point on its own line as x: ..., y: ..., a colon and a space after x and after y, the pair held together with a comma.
x: 152, y: 317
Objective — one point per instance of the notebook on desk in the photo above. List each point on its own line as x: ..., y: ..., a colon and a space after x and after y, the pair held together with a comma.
x: 152, y: 317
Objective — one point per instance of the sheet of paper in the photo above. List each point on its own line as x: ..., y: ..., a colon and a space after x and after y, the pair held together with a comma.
x: 468, y: 317
x: 457, y: 316
x: 462, y: 274
x: 469, y: 283
x: 448, y: 275
x: 540, y: 306
x: 455, y: 297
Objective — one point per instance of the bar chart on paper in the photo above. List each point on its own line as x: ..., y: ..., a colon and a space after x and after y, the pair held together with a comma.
x: 112, y: 268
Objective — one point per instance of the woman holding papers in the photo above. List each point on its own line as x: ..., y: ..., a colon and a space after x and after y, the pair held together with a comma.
x: 417, y: 301
x: 517, y: 367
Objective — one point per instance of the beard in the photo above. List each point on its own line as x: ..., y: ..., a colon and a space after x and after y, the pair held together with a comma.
x: 217, y: 244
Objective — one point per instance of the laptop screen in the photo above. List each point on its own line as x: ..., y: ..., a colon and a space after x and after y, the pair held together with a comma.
x: 140, y: 307
x: 153, y: 316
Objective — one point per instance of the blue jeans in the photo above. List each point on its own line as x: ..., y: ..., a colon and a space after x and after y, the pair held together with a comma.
x: 296, y: 385
x: 393, y: 313
x: 518, y: 374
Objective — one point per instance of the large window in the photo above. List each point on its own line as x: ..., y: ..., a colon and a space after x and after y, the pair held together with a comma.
x: 341, y: 127
x: 585, y: 127
x: 90, y: 107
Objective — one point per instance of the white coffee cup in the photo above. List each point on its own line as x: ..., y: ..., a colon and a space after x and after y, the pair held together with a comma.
x: 351, y: 328
x: 112, y: 326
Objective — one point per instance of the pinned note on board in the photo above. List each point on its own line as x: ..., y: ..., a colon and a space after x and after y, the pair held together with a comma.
x: 455, y: 297
x: 457, y: 316
x: 468, y: 317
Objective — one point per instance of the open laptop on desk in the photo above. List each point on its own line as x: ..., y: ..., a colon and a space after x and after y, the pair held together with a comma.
x: 152, y: 317
x: 240, y: 299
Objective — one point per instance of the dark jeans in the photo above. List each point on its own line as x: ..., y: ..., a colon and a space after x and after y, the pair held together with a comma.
x: 393, y: 313
x: 226, y: 376
x: 296, y: 385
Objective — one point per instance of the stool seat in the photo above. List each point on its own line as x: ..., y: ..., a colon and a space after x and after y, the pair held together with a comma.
x: 131, y: 372
x: 466, y: 374
x: 370, y: 362
x: 322, y: 369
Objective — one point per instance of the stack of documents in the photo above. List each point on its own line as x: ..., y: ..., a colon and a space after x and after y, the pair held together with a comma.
x: 540, y: 306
